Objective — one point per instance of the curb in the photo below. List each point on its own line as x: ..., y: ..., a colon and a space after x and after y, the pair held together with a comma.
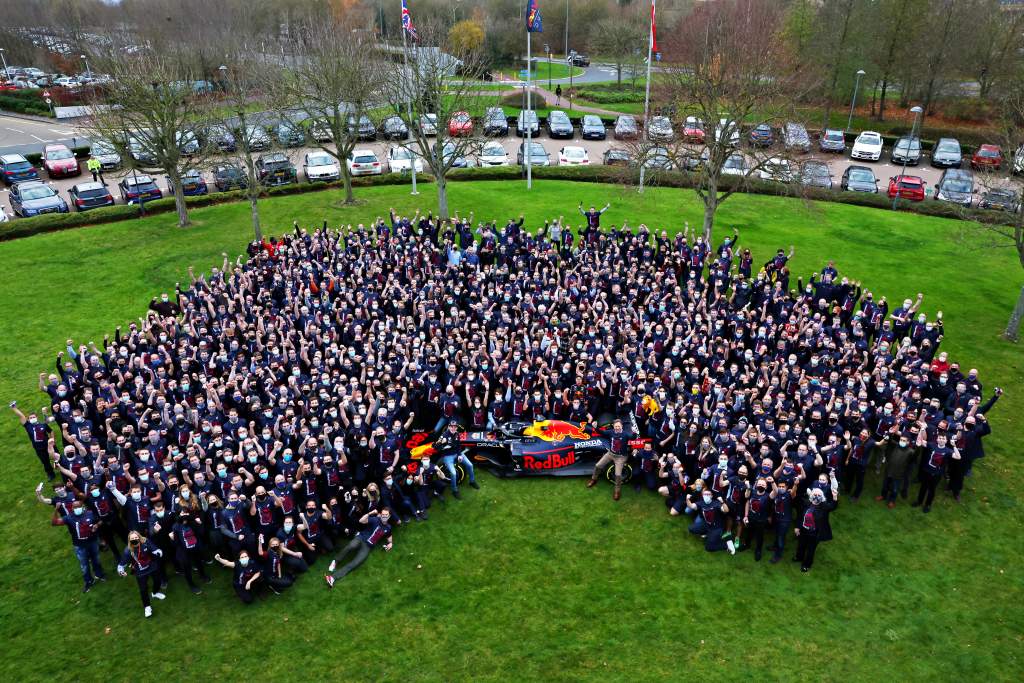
x: 29, y: 117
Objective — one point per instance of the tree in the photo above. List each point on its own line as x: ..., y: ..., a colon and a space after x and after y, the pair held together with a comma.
x: 897, y: 19
x: 440, y: 83
x: 466, y: 36
x: 994, y: 44
x: 837, y: 15
x: 620, y: 37
x: 149, y: 113
x: 729, y: 66
x: 336, y: 83
x: 945, y: 19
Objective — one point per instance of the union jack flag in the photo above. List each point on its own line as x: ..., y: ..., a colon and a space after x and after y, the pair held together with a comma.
x: 407, y: 21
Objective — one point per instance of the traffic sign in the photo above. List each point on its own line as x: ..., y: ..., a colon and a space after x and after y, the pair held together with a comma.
x: 48, y: 100
x: 524, y: 74
x: 46, y: 93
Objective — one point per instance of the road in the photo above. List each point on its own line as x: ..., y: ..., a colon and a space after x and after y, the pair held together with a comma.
x: 24, y: 135
x: 595, y: 149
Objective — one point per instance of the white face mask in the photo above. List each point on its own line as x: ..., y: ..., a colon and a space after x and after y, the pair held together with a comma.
x: 707, y: 497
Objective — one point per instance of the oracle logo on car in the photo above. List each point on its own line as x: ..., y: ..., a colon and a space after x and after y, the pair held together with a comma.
x: 552, y: 462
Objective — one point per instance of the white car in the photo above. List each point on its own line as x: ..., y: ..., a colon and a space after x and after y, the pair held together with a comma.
x: 428, y: 124
x: 1018, y: 160
x: 320, y: 166
x: 401, y: 160
x: 727, y: 127
x: 776, y: 169
x: 67, y: 82
x: 321, y: 132
x: 493, y: 154
x: 363, y: 162
x: 573, y: 156
x: 736, y: 164
x: 867, y: 146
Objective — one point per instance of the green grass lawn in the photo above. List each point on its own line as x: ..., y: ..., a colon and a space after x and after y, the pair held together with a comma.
x: 542, y: 70
x: 540, y: 579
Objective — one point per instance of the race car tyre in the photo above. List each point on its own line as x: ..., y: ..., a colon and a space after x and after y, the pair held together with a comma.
x: 627, y: 473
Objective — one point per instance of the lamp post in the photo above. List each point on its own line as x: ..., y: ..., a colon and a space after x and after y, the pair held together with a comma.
x: 916, y: 111
x: 88, y: 71
x: 849, y: 121
x: 4, y: 58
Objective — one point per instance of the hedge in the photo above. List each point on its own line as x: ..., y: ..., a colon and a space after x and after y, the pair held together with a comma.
x: 24, y: 227
x: 22, y: 105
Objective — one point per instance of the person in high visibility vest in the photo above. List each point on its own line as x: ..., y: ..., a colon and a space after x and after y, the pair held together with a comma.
x: 94, y: 166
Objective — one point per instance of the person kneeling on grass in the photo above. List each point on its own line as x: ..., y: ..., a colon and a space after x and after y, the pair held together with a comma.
x: 710, y: 521
x: 248, y: 576
x: 377, y: 529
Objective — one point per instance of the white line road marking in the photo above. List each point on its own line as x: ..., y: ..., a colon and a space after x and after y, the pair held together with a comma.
x: 61, y: 132
x: 39, y: 138
x: 16, y: 130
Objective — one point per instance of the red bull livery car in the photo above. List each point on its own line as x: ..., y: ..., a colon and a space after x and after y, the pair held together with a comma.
x: 522, y: 449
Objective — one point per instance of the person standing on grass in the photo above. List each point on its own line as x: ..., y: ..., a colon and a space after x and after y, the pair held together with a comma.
x: 39, y: 436
x: 935, y: 462
x: 814, y: 527
x: 616, y: 455
x: 898, y: 459
x: 143, y: 559
x: 189, y: 549
x: 593, y: 217
x: 248, y: 576
x: 83, y: 526
x: 377, y: 531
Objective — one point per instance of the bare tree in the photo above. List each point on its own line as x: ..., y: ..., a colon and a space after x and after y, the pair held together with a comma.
x: 730, y: 67
x: 336, y: 84
x: 440, y: 84
x: 619, y: 38
x: 149, y: 113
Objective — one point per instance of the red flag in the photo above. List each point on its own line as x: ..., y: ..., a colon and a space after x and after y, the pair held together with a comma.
x: 654, y: 30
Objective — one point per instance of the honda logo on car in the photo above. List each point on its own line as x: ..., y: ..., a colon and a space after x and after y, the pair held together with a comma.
x: 551, y: 462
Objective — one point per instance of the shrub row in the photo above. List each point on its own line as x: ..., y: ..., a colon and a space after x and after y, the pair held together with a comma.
x: 24, y: 227
x: 22, y: 105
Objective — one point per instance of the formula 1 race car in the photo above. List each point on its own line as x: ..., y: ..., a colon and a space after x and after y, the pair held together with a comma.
x: 543, y: 448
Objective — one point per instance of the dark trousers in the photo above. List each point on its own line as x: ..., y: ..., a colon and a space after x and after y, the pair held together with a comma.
x: 247, y: 595
x: 187, y: 560
x: 88, y: 555
x: 855, y: 478
x: 44, y: 460
x: 926, y: 494
x: 805, y: 547
x: 143, y: 580
x: 757, y: 536
x: 957, y: 468
x: 713, y: 540
x: 891, y: 487
x: 781, y: 529
x: 279, y: 583
x: 362, y: 551
x: 295, y: 564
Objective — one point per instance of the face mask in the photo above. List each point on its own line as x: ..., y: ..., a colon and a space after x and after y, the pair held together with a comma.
x: 95, y: 493
x: 186, y: 495
x: 144, y: 457
x: 388, y: 482
x: 707, y: 497
x: 137, y: 497
x: 426, y: 462
x: 79, y: 511
x: 160, y: 514
x: 221, y: 472
x: 144, y: 477
x: 263, y: 475
x: 244, y: 561
x: 287, y: 457
x: 288, y: 528
x: 904, y: 444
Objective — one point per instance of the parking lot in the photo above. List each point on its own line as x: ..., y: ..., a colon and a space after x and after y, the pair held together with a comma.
x: 883, y: 169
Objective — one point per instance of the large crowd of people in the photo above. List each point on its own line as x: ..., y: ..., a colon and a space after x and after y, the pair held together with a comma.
x: 258, y: 416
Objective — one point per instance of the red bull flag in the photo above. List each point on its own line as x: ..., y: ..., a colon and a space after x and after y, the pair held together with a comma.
x: 407, y: 21
x: 654, y: 30
x: 533, y: 20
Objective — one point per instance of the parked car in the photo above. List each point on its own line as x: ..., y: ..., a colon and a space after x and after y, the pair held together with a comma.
x: 192, y: 184
x: 527, y: 120
x: 776, y: 169
x: 592, y: 127
x: 625, y: 128
x: 693, y: 130
x: 493, y: 154
x: 947, y: 154
x: 761, y: 135
x: 229, y: 176
x: 495, y: 122
x: 657, y: 158
x: 428, y: 124
x: 538, y: 155
x: 832, y: 140
x: 691, y: 160
x: 859, y: 179
x: 68, y: 82
x: 140, y: 152
x: 401, y: 160
x: 1018, y: 160
x: 559, y: 125
x: 999, y: 199
x: 614, y: 156
x: 105, y: 153
x: 573, y: 156
x: 867, y: 146
x: 320, y: 166
x: 363, y: 162
x: 34, y: 197
x: 188, y: 143
x: 138, y: 187
x: 289, y: 134
x: 220, y: 138
x: 987, y: 158
x: 795, y: 137
x: 14, y: 168
x: 908, y: 187
x: 727, y: 130
x: 955, y: 186
x: 907, y: 150
x: 460, y: 124
x: 275, y: 169
x: 60, y: 162
x: 451, y: 155
x: 257, y: 137
x: 90, y: 195
x: 660, y: 129
x: 578, y: 59
x: 816, y: 174
x: 364, y: 130
x: 735, y: 164
x: 394, y: 128
x: 321, y: 131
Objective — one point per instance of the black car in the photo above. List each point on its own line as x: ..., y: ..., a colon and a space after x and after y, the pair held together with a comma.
x: 85, y: 196
x: 276, y: 169
x: 192, y: 184
x: 907, y: 150
x: 955, y: 186
x: 219, y: 138
x: 999, y: 199
x: 229, y: 176
x: 947, y: 153
x: 495, y: 121
x: 592, y: 128
x: 816, y: 174
x: 616, y: 157
x: 289, y: 134
x: 394, y: 128
x: 559, y: 125
x: 364, y: 130
x: 859, y: 179
x: 579, y: 60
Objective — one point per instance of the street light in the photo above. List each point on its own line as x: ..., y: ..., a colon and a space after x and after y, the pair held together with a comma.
x: 849, y: 121
x: 7, y: 74
x: 916, y: 111
x: 223, y: 77
x: 88, y: 71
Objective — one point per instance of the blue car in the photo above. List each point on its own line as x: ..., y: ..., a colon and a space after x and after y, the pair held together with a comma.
x: 192, y: 184
x: 35, y: 197
x: 15, y: 168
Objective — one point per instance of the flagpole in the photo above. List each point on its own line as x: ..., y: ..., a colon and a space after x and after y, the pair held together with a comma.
x: 408, y: 105
x: 527, y: 118
x: 647, y: 93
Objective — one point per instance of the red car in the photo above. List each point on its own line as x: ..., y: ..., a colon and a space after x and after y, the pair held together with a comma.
x: 461, y: 124
x: 909, y: 186
x: 693, y: 130
x: 60, y: 162
x: 987, y: 157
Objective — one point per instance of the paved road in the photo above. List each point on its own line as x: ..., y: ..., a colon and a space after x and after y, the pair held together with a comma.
x: 595, y: 149
x: 20, y: 136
